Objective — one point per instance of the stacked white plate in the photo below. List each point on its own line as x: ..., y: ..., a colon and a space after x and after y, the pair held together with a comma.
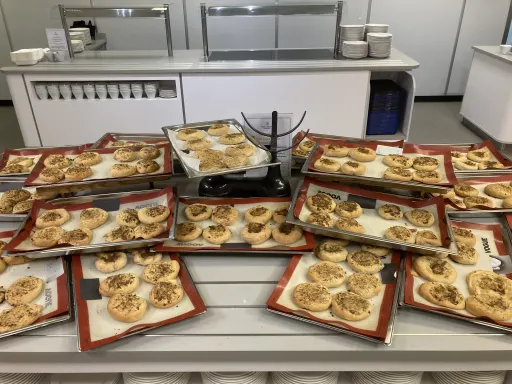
x: 387, y: 377
x: 305, y: 377
x: 354, y: 49
x: 75, y: 35
x: 234, y: 377
x: 77, y: 45
x: 488, y: 377
x: 352, y: 32
x: 136, y: 90
x: 379, y: 44
x: 156, y: 378
x: 85, y: 378
x: 21, y: 378
x: 150, y: 89
x: 125, y: 90
x: 87, y: 34
x: 376, y: 28
x: 167, y: 92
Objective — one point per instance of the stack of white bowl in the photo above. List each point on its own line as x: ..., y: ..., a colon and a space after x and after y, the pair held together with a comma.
x: 488, y: 377
x: 125, y: 90
x: 86, y: 32
x: 156, y: 378
x: 137, y: 90
x: 78, y: 91
x: 53, y: 90
x: 77, y: 45
x: 167, y: 92
x: 352, y: 32
x: 89, y: 91
x: 354, y: 49
x: 379, y: 44
x: 305, y: 377
x: 387, y: 377
x: 85, y: 378
x: 113, y: 90
x: 150, y: 89
x: 234, y: 377
x: 41, y: 91
x: 101, y: 90
x: 76, y: 35
x: 21, y: 378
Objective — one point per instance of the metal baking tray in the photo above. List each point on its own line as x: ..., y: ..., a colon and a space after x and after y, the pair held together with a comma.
x: 381, y: 182
x: 368, y: 239
x: 481, y: 217
x: 54, y: 320
x: 92, y: 248
x: 204, y: 125
x: 129, y: 137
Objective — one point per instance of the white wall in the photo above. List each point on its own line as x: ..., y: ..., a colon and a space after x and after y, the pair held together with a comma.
x: 5, y: 59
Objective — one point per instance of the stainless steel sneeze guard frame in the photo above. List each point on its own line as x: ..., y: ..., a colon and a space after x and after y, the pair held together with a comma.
x: 92, y: 248
x: 129, y: 137
x: 367, y: 239
x: 204, y: 125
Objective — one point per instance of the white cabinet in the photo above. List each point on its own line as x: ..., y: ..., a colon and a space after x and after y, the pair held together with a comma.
x: 425, y: 31
x: 5, y: 59
x: 482, y: 24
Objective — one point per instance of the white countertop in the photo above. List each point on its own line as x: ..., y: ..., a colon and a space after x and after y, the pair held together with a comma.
x: 493, y: 51
x: 190, y: 61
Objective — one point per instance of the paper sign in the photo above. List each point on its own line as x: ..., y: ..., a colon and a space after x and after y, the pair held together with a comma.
x: 385, y: 150
x: 57, y: 41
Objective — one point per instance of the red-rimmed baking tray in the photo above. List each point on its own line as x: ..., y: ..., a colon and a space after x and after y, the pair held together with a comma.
x: 108, y: 139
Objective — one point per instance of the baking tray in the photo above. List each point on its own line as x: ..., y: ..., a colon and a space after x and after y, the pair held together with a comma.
x: 192, y: 173
x: 92, y: 248
x: 381, y: 182
x: 53, y: 320
x: 480, y: 217
x: 368, y: 239
x: 149, y: 138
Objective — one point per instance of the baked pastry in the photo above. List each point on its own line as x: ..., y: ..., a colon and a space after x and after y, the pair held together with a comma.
x: 350, y: 306
x: 349, y: 209
x: 327, y: 165
x: 225, y: 215
x: 236, y: 161
x: 16, y: 260
x: 448, y: 195
x: 390, y: 212
x: 335, y: 150
x: 280, y: 214
x: 464, y: 190
x: 466, y: 254
x: 364, y: 285
x: 362, y: 154
x: 198, y: 212
x: 321, y: 219
x: 399, y: 174
x: 16, y: 168
x: 88, y: 159
x: 312, y: 296
x: 218, y: 130
x: 479, y: 155
x: 320, y: 203
x: 217, y: 234
x: 52, y: 217
x: 327, y: 273
x: 365, y: 262
x: 487, y: 282
x: 77, y: 173
x: 198, y: 144
x: 126, y: 308
x: 121, y: 143
x: 23, y: 207
x: 307, y: 145
x: 420, y: 217
x: 349, y: 224
x: 478, y: 201
x: 458, y: 203
x: 147, y: 166
x: 108, y: 262
x: 332, y: 250
x: 353, y: 168
x: 464, y: 236
x: 425, y: 163
x: 93, y: 218
x: 232, y: 138
x: 57, y: 161
x: 118, y: 234
x: 240, y: 149
x: 490, y: 165
x: 51, y: 175
x: 258, y: 214
x: 19, y: 317
x: 148, y: 231
x: 210, y: 164
x: 46, y: 237
x: 427, y: 177
x: 24, y: 290
x: 398, y: 161
x: 300, y: 153
x: 122, y: 170
x: 286, y: 233
x: 25, y: 162
x: 76, y: 237
x: 399, y: 233
x: 161, y: 271
x: 465, y: 165
x: 491, y: 306
x: 149, y: 153
x: 125, y: 155
x: 6, y: 206
x: 507, y: 203
x: 190, y: 134
x: 499, y: 191
x: 128, y: 217
x: 256, y: 233
x: 427, y: 237
x: 445, y: 295
x: 376, y: 250
x: 16, y: 195
x: 145, y: 257
x: 187, y: 231
x: 165, y: 294
x: 434, y: 269
x: 154, y: 214
x: 209, y: 154
x: 458, y: 156
x: 121, y: 283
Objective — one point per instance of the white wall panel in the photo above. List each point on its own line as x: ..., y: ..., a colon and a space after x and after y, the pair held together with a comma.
x: 5, y: 59
x: 483, y: 24
x: 426, y: 31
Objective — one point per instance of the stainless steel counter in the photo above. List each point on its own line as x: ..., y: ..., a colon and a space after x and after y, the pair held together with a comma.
x: 493, y: 51
x: 190, y: 61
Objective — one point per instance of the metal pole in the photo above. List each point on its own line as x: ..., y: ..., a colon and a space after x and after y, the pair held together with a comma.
x: 168, y: 29
x: 337, y: 35
x: 62, y: 12
x: 204, y: 26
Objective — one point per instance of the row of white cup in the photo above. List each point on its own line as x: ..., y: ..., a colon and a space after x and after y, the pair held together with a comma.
x: 91, y: 90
